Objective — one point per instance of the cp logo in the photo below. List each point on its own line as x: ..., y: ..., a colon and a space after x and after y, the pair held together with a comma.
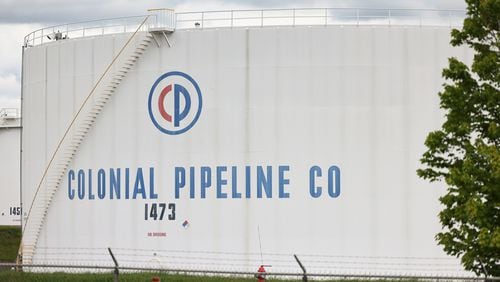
x: 174, y: 103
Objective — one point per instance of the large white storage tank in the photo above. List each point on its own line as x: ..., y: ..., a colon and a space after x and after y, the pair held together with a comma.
x: 222, y: 143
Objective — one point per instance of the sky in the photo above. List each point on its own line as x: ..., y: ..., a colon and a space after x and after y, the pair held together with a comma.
x: 20, y: 17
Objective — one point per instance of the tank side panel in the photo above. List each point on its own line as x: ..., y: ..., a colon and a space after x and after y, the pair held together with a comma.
x: 34, y: 122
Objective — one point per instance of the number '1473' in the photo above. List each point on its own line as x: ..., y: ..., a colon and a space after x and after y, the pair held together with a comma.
x: 159, y: 211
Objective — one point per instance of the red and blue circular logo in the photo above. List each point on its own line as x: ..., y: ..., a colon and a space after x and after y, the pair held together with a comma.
x: 174, y: 103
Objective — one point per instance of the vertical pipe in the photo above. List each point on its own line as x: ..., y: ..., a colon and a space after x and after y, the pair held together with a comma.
x: 21, y: 148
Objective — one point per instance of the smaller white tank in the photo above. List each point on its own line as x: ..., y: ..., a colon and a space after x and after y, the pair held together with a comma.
x: 10, y: 134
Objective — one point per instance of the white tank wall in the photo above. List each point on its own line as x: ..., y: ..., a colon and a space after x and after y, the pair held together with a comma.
x: 9, y: 175
x: 360, y: 98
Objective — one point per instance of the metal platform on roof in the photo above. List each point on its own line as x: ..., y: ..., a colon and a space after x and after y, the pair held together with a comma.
x: 161, y: 32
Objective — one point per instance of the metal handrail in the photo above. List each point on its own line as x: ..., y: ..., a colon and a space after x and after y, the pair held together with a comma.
x: 326, y: 16
x: 38, y: 36
x: 254, y: 18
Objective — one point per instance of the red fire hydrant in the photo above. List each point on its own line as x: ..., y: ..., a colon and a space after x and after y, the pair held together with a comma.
x: 261, y: 274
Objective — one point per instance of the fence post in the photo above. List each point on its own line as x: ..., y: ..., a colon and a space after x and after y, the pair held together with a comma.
x: 116, y: 272
x: 304, y: 277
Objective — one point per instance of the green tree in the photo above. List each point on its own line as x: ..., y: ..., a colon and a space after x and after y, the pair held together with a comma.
x: 465, y: 151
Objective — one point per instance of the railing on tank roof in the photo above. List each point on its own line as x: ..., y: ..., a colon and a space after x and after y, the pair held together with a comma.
x: 160, y: 18
x: 319, y: 16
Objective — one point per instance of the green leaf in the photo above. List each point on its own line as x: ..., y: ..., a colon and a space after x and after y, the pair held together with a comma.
x: 465, y: 152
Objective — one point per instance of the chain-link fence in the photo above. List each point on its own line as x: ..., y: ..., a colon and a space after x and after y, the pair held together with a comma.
x: 120, y: 270
x: 291, y: 266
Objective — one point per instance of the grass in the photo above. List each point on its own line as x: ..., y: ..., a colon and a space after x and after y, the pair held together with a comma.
x: 13, y: 276
x: 10, y: 237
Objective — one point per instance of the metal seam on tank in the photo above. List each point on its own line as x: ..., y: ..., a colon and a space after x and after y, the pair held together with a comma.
x: 277, y: 96
x: 406, y: 140
x: 46, y: 146
x: 60, y: 129
x: 92, y: 211
x: 341, y: 118
x: 137, y: 209
x: 111, y: 152
x: 91, y: 144
x: 216, y: 137
x: 247, y: 136
x: 159, y: 160
x: 311, y: 150
x: 373, y: 155
x: 73, y: 112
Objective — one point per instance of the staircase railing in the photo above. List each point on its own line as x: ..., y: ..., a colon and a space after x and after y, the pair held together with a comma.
x: 66, y: 148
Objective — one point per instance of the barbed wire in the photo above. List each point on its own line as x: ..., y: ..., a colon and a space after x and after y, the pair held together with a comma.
x: 207, y: 260
x: 220, y: 259
x: 254, y: 254
x: 226, y: 271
